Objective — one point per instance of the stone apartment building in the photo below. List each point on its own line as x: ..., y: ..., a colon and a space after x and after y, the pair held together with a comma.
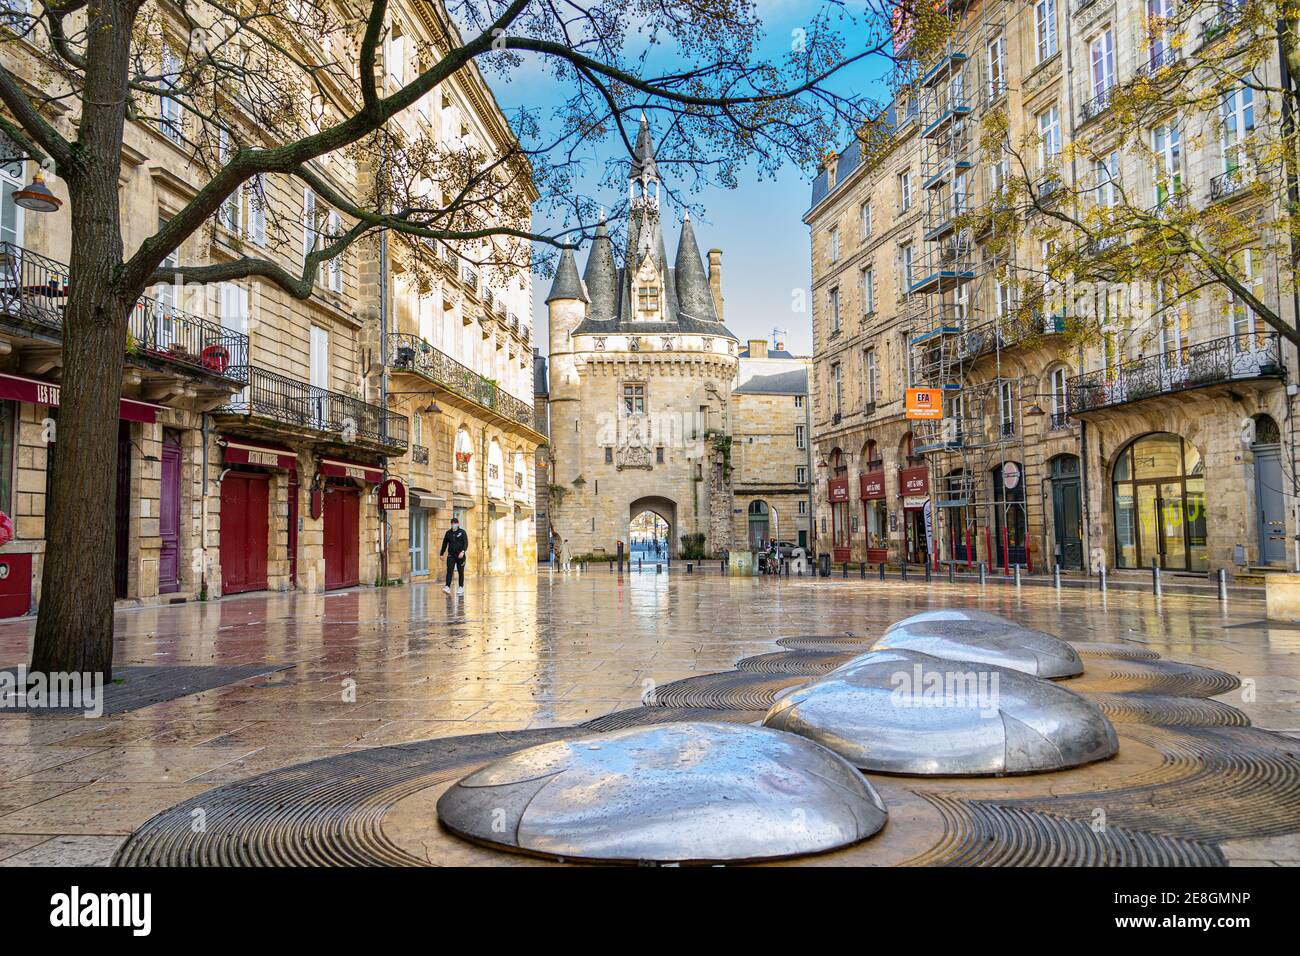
x: 256, y: 429
x: 770, y: 448
x: 1052, y: 449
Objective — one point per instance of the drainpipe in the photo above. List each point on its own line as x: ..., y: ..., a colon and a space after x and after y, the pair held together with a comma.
x: 203, y: 507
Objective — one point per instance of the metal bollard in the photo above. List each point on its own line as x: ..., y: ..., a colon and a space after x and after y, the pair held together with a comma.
x: 1101, y: 574
x: 1155, y: 578
x: 952, y: 573
x: 882, y: 570
x: 927, y: 572
x: 722, y: 565
x: 982, y: 573
x: 1017, y: 575
x: 1056, y: 576
x: 904, y: 570
x: 659, y: 568
x: 862, y: 570
x: 611, y: 567
x: 845, y: 570
x: 690, y: 568
x: 1223, y: 584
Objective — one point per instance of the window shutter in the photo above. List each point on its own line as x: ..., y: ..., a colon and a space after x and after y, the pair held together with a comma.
x: 309, y: 233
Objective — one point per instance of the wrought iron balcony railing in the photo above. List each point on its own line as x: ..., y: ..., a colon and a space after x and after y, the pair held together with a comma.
x: 1225, y: 184
x: 411, y: 353
x: 1097, y: 105
x: 1158, y: 61
x: 1229, y: 359
x: 1059, y: 421
x: 293, y: 402
x: 35, y: 288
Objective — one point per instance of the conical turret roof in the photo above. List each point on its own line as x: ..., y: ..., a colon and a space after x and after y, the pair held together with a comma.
x: 601, y: 276
x: 643, y: 156
x: 567, y: 285
x: 694, y: 299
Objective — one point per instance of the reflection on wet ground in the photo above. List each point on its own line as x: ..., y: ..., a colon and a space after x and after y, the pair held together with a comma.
x: 368, y: 668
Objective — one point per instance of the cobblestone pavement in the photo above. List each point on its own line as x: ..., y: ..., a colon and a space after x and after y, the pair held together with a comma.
x: 350, y: 671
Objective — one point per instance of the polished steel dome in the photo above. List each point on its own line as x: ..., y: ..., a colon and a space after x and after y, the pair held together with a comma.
x: 908, y: 713
x: 680, y: 792
x: 987, y: 642
x: 952, y: 614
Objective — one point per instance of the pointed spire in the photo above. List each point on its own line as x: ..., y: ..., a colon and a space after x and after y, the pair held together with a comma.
x: 601, y: 276
x: 694, y: 298
x: 643, y: 157
x: 567, y: 285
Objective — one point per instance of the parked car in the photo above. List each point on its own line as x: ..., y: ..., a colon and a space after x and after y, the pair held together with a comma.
x: 786, y: 549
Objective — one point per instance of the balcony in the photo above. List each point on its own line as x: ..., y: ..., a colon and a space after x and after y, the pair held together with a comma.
x: 1229, y: 183
x: 1223, y: 21
x: 411, y: 354
x: 1059, y: 421
x: 1097, y: 105
x: 289, y: 402
x: 34, y: 292
x: 1158, y: 61
x: 1216, y: 362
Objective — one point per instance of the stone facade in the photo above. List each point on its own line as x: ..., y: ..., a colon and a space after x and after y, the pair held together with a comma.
x: 641, y: 373
x: 1043, y: 454
x: 302, y: 403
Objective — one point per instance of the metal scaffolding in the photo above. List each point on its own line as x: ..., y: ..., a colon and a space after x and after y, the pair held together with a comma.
x: 976, y: 451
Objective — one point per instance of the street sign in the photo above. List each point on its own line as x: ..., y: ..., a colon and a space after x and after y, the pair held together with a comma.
x: 924, y: 403
x: 392, y: 495
x: 1010, y: 475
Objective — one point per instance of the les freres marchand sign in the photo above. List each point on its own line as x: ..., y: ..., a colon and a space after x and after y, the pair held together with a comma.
x: 392, y: 495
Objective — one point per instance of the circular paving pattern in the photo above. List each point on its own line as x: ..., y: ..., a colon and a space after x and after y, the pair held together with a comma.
x: 987, y: 642
x: 729, y: 690
x: 1182, y: 784
x: 1118, y: 651
x: 794, y: 662
x: 901, y: 712
x: 813, y: 642
x: 681, y: 792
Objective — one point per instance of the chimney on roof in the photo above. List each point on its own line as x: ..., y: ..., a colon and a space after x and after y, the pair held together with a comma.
x: 758, y: 348
x: 715, y: 280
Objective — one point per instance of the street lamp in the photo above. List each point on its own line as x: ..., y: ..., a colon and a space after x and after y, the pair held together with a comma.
x: 37, y: 196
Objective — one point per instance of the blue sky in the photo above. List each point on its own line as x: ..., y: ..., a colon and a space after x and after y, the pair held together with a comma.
x: 758, y: 226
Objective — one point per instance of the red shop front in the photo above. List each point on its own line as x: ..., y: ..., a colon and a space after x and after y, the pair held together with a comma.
x: 837, y: 492
x: 246, y: 512
x: 875, y: 515
x: 914, y: 488
x: 341, y: 508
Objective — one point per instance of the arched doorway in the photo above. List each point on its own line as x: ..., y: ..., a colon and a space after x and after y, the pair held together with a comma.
x: 1067, y: 513
x: 1158, y: 484
x: 962, y: 533
x: 837, y: 491
x: 759, y: 524
x: 1270, y: 496
x: 652, y: 524
x: 1009, y: 525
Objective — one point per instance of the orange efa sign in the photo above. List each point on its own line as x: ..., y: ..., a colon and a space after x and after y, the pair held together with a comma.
x: 924, y: 403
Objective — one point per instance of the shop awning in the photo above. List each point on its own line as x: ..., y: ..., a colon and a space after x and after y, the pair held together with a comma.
x: 340, y: 468
x: 35, y: 392
x: 462, y: 501
x: 240, y: 451
x: 425, y: 499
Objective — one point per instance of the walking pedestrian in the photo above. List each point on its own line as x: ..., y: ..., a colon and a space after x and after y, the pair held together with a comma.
x: 455, y: 545
x: 564, y: 554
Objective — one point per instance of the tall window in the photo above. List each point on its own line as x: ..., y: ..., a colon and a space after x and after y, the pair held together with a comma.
x: 1160, y: 31
x: 864, y: 219
x: 868, y: 290
x: 1166, y: 143
x: 1007, y: 409
x: 171, y: 119
x: 905, y: 190
x: 1045, y: 28
x: 834, y: 306
x: 1105, y: 171
x: 335, y: 268
x: 1247, y: 330
x: 1049, y: 136
x: 1058, y: 393
x: 1101, y: 51
x: 11, y: 180
x: 869, y: 375
x: 835, y: 243
x: 800, y: 437
x: 905, y: 256
x: 997, y: 66
x: 1238, y: 119
x: 634, y: 399
x: 837, y: 388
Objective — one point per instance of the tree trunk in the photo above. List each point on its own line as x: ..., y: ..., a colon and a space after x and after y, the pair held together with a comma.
x: 74, y: 627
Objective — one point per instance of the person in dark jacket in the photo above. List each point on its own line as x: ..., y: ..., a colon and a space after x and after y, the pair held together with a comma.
x: 454, y: 545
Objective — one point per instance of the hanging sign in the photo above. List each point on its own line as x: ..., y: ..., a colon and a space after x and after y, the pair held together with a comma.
x: 1010, y: 475
x: 924, y: 403
x: 392, y: 495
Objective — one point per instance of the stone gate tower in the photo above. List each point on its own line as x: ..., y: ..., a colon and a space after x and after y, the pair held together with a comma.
x: 641, y: 373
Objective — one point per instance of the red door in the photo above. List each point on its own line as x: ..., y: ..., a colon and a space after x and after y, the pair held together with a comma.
x: 342, y: 528
x: 293, y: 529
x: 244, y: 508
x: 169, y: 517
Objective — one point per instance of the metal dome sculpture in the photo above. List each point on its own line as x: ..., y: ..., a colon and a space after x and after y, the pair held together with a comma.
x: 1001, y: 643
x: 678, y: 792
x: 907, y: 713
